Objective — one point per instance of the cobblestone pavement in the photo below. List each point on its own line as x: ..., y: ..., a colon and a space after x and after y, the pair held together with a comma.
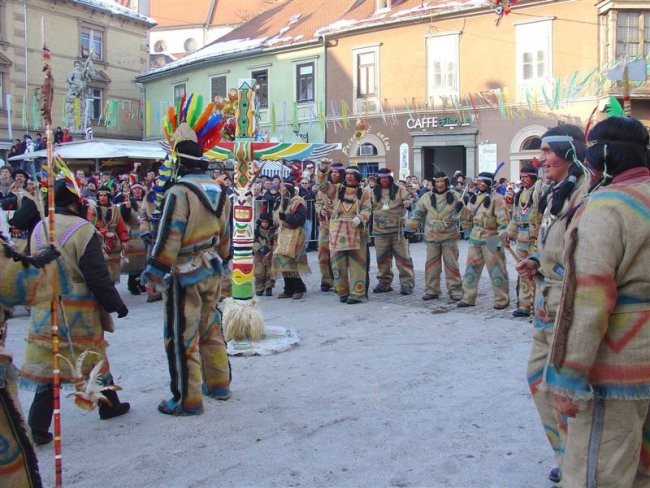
x: 484, y: 303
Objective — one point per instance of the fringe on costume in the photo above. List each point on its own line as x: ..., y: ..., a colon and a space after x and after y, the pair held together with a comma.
x: 565, y: 308
x: 8, y: 373
x: 242, y: 320
x: 22, y: 469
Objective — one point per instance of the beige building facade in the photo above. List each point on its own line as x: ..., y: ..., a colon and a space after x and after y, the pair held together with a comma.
x: 112, y: 36
x: 461, y: 91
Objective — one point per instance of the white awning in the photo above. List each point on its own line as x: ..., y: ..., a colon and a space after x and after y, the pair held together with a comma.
x: 101, y: 149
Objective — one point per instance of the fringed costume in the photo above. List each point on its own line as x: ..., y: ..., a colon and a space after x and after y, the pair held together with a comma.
x: 192, y: 243
x: 324, y: 209
x: 600, y: 351
x: 113, y: 229
x: 549, y: 253
x: 486, y: 215
x: 351, y: 213
x: 85, y: 289
x: 388, y: 212
x: 523, y: 229
x: 263, y: 255
x: 289, y: 256
x: 439, y: 212
x: 135, y: 250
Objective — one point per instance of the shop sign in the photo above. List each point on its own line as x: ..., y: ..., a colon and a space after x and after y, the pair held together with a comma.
x: 434, y: 122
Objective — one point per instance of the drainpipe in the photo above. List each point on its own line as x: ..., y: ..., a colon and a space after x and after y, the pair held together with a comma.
x: 26, y: 65
x: 325, y: 85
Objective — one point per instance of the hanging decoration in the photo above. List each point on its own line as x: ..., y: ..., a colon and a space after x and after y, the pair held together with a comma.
x: 35, y: 113
x: 501, y: 8
x: 360, y: 128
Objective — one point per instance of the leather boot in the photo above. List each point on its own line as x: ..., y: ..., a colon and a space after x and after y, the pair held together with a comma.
x: 115, y: 409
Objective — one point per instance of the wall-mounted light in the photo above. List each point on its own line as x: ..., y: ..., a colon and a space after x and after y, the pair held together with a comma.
x: 304, y: 136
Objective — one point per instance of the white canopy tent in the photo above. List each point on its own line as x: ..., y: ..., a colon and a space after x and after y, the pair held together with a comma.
x: 98, y: 150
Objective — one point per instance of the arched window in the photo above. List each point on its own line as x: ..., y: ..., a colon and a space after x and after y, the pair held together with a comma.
x: 532, y: 143
x: 160, y: 46
x: 367, y: 149
x: 190, y: 45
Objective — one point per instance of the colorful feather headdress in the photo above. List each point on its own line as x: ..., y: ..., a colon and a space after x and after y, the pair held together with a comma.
x: 206, y: 123
x: 62, y: 172
x: 187, y: 120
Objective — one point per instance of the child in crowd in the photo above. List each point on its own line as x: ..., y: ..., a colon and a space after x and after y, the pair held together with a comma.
x: 265, y: 233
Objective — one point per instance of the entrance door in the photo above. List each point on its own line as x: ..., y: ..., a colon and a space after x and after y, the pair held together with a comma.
x: 443, y: 158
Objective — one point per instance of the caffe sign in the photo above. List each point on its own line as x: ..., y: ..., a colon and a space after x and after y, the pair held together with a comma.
x: 434, y: 121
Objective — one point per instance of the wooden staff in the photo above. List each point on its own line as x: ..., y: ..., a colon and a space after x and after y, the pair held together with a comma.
x: 47, y: 92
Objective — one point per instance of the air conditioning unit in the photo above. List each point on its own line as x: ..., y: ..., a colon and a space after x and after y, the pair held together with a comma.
x: 366, y: 105
x: 366, y: 150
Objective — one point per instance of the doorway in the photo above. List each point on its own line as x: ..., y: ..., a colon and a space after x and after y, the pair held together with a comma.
x: 443, y: 158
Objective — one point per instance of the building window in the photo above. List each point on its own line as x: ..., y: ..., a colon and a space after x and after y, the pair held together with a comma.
x: 366, y: 75
x: 92, y: 41
x: 367, y: 149
x: 533, y: 48
x: 442, y: 66
x: 160, y: 46
x: 261, y: 78
x: 632, y: 34
x: 190, y: 45
x: 366, y: 80
x: 532, y: 143
x: 218, y: 86
x: 179, y: 91
x: 2, y: 90
x: 96, y: 103
x: 305, y: 82
x: 368, y: 169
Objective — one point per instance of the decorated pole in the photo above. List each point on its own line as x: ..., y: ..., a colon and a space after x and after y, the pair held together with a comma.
x: 241, y: 320
x: 243, y: 212
x: 47, y: 92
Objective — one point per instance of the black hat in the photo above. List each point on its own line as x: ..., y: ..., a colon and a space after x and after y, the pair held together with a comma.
x: 528, y: 170
x: 22, y: 172
x: 290, y: 188
x: 383, y: 172
x: 486, y: 177
x: 265, y: 217
x: 62, y: 194
x: 190, y: 154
